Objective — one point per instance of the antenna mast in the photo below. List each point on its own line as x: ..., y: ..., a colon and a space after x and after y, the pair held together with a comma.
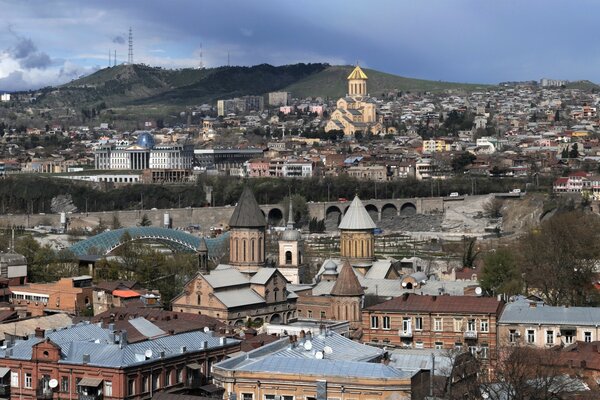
x: 115, y: 58
x: 130, y: 55
x: 109, y: 63
x: 201, y: 61
x: 228, y: 59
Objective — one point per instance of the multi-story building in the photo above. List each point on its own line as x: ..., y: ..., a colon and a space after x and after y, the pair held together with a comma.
x: 242, y: 105
x: 435, y: 146
x: 69, y: 295
x: 320, y: 366
x: 368, y: 172
x: 145, y: 154
x: 536, y: 324
x: 277, y: 99
x: 441, y: 322
x: 87, y: 362
x: 13, y: 267
x: 225, y: 159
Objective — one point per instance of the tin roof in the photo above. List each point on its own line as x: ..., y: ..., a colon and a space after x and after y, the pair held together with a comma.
x: 357, y: 217
x: 247, y: 213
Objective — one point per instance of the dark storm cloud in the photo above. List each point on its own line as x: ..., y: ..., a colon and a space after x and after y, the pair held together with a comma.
x: 26, y: 52
x: 119, y: 40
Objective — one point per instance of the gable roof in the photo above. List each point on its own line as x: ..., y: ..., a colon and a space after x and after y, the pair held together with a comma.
x: 221, y: 278
x: 247, y: 213
x: 263, y: 275
x: 347, y: 283
x: 357, y: 217
x: 440, y: 304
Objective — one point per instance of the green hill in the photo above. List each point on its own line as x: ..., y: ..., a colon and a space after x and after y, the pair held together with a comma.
x: 582, y: 85
x: 141, y: 85
x: 331, y: 82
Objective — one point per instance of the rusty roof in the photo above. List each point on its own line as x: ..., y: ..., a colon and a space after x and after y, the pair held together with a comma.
x: 347, y: 283
x: 440, y: 304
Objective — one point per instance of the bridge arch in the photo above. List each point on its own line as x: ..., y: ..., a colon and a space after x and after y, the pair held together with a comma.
x: 106, y: 242
x: 275, y: 216
x: 333, y: 212
x: 408, y: 208
x: 389, y: 210
x: 373, y: 211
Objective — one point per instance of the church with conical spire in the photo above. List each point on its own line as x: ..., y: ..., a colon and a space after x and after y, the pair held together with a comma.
x: 357, y: 110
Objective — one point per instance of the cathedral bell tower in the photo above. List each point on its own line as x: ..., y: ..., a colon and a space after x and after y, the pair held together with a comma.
x: 357, y: 83
x: 247, y: 235
x: 290, y: 250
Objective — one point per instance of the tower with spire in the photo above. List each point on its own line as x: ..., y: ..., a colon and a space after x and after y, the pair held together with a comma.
x: 290, y: 250
x: 247, y: 235
x: 347, y: 294
x: 202, y: 253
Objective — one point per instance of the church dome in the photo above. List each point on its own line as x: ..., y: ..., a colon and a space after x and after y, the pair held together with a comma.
x: 146, y: 140
x: 291, y: 235
x: 330, y: 268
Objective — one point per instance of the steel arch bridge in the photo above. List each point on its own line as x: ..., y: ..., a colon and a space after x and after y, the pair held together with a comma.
x: 106, y: 242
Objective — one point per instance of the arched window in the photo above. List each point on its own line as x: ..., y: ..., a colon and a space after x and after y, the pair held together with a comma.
x: 237, y: 249
x: 288, y: 257
x: 253, y: 250
x: 260, y: 248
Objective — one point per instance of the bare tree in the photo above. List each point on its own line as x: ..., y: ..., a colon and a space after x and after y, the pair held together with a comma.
x: 493, y: 208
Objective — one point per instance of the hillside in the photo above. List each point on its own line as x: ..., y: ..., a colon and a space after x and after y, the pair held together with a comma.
x: 141, y: 85
x: 331, y: 82
x: 582, y: 85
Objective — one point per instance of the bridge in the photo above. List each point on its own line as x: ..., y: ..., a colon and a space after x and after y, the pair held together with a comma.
x: 106, y: 242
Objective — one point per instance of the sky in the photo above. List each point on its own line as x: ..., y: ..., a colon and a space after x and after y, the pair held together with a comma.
x: 47, y: 42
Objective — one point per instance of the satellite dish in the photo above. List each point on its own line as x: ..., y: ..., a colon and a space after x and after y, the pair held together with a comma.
x: 319, y: 355
x: 403, y: 284
x: 206, y: 329
x: 478, y: 291
x: 148, y: 353
x: 53, y: 383
x: 327, y: 350
x: 308, y: 345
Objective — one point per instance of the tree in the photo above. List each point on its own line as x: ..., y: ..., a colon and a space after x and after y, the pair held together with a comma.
x: 116, y: 223
x: 463, y: 160
x: 564, y: 153
x: 145, y: 220
x: 559, y: 258
x: 574, y: 153
x: 470, y: 253
x: 493, y: 208
x: 501, y: 274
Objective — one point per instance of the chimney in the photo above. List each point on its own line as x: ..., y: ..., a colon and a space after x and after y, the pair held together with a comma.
x: 223, y: 341
x: 302, y: 334
x: 205, y: 344
x: 182, y: 349
x: 171, y: 331
x: 86, y: 359
x: 123, y: 341
x: 433, y: 298
x: 405, y: 296
x: 111, y: 327
x: 39, y: 332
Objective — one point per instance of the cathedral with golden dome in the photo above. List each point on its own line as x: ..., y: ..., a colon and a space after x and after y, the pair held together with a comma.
x: 356, y: 111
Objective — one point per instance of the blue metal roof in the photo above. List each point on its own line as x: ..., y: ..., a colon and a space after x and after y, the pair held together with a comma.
x: 107, y: 241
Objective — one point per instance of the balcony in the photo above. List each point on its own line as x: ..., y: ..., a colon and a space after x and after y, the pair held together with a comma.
x: 82, y: 396
x: 4, y: 391
x: 43, y: 394
x: 470, y: 335
x: 405, y: 334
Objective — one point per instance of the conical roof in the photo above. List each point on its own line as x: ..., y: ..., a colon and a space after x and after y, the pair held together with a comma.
x: 202, y: 247
x: 357, y: 217
x: 357, y: 73
x: 247, y: 213
x: 347, y: 283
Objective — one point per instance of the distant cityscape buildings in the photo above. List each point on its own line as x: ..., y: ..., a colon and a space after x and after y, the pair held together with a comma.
x: 243, y: 104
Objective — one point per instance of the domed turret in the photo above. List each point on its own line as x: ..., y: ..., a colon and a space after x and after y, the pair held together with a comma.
x: 146, y: 140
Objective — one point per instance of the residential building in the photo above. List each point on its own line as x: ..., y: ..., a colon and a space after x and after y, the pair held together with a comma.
x: 88, y: 362
x: 5, y: 97
x: 13, y: 267
x: 277, y: 99
x: 72, y: 295
x: 377, y: 173
x: 323, y: 366
x: 241, y: 105
x: 528, y: 322
x: 440, y: 322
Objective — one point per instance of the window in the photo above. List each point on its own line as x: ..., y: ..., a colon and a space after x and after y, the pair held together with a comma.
x: 386, y: 322
x: 374, y: 322
x: 419, y: 323
x: 323, y: 316
x: 473, y: 350
x: 587, y: 337
x: 406, y: 324
x: 437, y: 324
x: 108, y: 388
x: 168, y: 378
x: 28, y: 381
x: 471, y: 326
x: 131, y: 386
x: 247, y: 396
x: 568, y: 335
x: 512, y: 335
x: 145, y: 384
x: 458, y: 325
x: 419, y: 344
x: 484, y: 351
x: 309, y: 313
x: 179, y: 375
x: 64, y: 384
x: 14, y: 379
x: 549, y: 337
x: 484, y: 325
x: 530, y: 336
x: 458, y: 346
x: 155, y: 381
x: 439, y: 345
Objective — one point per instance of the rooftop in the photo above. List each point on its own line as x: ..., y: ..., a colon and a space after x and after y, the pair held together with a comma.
x: 440, y: 304
x: 357, y: 217
x: 523, y: 311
